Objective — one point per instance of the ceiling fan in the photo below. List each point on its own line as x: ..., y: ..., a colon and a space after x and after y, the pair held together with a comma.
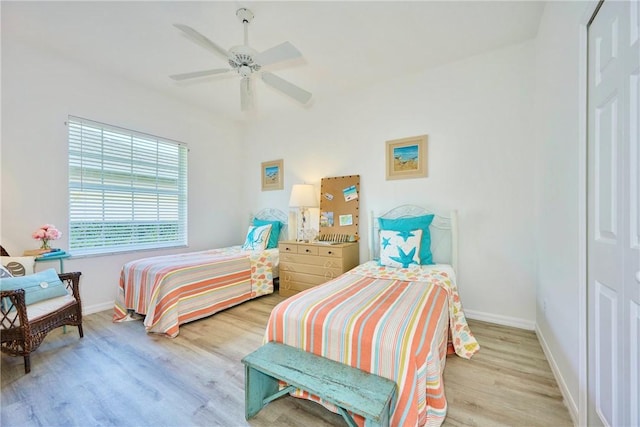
x: 246, y: 61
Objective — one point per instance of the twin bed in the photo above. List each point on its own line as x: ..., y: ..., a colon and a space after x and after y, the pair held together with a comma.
x: 398, y: 316
x: 172, y: 290
x: 398, y: 322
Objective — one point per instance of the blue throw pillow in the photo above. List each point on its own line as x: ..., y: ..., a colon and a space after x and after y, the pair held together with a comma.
x: 413, y: 223
x: 37, y: 287
x: 275, y: 231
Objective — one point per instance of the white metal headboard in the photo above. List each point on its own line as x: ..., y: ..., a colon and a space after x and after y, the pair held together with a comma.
x: 271, y: 214
x: 443, y: 229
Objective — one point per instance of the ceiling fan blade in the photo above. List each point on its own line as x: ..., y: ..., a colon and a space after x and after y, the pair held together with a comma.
x: 286, y: 87
x: 246, y: 98
x: 202, y: 40
x: 281, y: 52
x: 196, y: 74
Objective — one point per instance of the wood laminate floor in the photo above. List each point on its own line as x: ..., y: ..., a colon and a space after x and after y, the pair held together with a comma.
x: 119, y: 375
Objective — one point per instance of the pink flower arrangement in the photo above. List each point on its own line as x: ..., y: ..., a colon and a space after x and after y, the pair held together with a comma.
x: 45, y: 233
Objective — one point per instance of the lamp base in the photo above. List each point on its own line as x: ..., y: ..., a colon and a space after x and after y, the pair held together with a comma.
x: 301, y: 231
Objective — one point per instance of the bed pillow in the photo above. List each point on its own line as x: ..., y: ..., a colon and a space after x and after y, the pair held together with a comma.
x: 19, y: 265
x: 413, y: 223
x: 400, y: 248
x: 37, y: 287
x: 257, y: 238
x: 275, y: 231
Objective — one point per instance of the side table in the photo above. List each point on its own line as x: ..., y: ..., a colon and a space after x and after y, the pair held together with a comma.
x: 60, y: 258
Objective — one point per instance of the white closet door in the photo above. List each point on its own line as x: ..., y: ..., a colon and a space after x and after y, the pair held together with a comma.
x: 613, y: 271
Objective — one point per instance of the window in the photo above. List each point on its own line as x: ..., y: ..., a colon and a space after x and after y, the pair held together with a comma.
x: 127, y: 190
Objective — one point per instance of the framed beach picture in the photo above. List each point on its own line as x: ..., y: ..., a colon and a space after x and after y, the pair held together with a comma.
x: 272, y: 175
x: 407, y: 157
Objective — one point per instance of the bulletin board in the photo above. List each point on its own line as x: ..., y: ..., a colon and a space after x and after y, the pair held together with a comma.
x: 339, y: 208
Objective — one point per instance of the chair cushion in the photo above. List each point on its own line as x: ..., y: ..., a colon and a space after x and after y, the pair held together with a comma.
x: 37, y: 287
x: 39, y: 309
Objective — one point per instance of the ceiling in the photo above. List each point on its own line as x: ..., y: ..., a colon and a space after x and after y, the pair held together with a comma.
x: 346, y: 45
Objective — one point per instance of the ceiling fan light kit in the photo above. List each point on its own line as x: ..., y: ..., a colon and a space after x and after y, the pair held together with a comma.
x: 246, y: 62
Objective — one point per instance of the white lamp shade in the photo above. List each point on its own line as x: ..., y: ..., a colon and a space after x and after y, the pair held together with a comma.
x: 303, y: 196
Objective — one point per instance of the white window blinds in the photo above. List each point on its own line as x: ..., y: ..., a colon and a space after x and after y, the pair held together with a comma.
x: 127, y: 190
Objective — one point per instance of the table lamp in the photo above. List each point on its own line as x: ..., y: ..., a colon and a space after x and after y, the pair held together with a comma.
x: 303, y: 196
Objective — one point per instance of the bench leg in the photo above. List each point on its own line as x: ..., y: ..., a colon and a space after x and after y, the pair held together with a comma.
x: 384, y: 420
x: 347, y: 417
x: 257, y: 387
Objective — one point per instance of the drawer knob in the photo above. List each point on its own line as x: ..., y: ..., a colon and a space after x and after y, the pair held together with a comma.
x: 307, y: 250
x: 330, y: 253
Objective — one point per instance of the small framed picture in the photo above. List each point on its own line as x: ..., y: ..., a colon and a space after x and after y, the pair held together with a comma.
x: 407, y: 157
x: 272, y: 175
x: 346, y: 220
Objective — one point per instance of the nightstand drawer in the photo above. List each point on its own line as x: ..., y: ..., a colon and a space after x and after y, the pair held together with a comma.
x: 331, y: 251
x: 288, y: 248
x: 307, y: 250
x: 290, y: 280
x: 310, y: 260
x: 328, y: 271
x: 292, y: 288
x: 298, y: 248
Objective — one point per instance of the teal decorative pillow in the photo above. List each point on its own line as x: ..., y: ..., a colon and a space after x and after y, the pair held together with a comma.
x: 275, y: 231
x: 409, y: 224
x: 37, y: 287
x: 257, y: 238
x: 400, y: 248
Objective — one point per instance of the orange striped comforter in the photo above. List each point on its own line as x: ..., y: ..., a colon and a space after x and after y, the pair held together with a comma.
x: 175, y: 289
x: 391, y: 322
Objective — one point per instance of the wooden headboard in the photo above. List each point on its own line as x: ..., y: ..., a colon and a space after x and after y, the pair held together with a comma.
x: 443, y: 229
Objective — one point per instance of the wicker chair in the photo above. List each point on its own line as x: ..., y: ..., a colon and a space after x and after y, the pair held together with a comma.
x: 20, y: 334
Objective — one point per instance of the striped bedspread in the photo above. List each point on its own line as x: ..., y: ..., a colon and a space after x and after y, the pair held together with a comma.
x: 391, y: 322
x: 175, y: 289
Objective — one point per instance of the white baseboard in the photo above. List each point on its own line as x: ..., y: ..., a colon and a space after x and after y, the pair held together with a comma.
x: 86, y: 310
x: 568, y: 400
x: 501, y: 320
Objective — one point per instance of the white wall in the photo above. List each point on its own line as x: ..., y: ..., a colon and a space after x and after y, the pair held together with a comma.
x: 560, y: 181
x: 511, y: 170
x: 39, y: 91
x: 478, y: 117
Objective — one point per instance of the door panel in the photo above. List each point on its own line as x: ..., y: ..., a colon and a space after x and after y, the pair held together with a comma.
x: 613, y: 215
x: 606, y: 168
x: 634, y: 395
x: 606, y: 355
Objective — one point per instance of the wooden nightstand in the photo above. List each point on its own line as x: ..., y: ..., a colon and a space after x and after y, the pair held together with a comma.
x: 305, y: 265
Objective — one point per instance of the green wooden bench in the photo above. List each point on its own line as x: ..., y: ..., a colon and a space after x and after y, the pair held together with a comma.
x: 348, y: 388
